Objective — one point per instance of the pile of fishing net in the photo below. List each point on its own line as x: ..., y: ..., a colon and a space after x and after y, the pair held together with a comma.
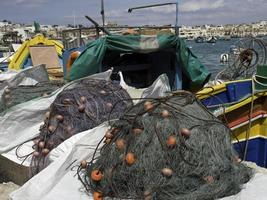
x: 14, y: 95
x: 77, y: 108
x: 25, y: 85
x: 170, y: 148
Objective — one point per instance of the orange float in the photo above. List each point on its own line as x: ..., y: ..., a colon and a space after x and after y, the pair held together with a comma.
x: 73, y: 56
x: 96, y: 175
x: 130, y: 158
x: 98, y: 196
x: 171, y: 141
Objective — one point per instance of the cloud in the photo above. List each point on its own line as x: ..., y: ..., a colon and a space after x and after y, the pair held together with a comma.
x: 190, y: 6
x: 164, y: 9
x: 26, y: 3
x: 196, y: 5
x: 116, y: 13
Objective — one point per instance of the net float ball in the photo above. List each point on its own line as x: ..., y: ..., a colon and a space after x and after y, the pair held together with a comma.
x: 130, y: 158
x: 107, y: 141
x: 171, y: 141
x: 66, y: 101
x: 98, y: 196
x: 83, y: 99
x: 41, y: 145
x: 167, y: 172
x: 137, y: 131
x: 109, y: 105
x: 69, y: 129
x: 7, y: 97
x: 148, y: 105
x: 109, y: 135
x: 60, y: 118
x: 36, y: 154
x: 185, y: 132
x: 165, y: 113
x: 96, y: 175
x: 83, y: 164
x: 81, y: 108
x: 120, y: 144
x: 47, y: 115
x: 7, y: 91
x: 147, y: 195
x: 45, y: 151
x: 237, y: 159
x: 102, y: 92
x: 51, y: 128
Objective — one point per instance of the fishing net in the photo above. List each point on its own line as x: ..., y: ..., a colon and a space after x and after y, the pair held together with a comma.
x: 243, y: 59
x: 76, y: 109
x: 14, y: 95
x: 169, y: 148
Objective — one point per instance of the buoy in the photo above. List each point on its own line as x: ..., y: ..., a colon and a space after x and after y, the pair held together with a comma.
x: 73, y: 56
x: 224, y: 58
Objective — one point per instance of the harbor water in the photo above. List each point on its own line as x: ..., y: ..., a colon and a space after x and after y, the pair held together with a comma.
x: 209, y: 53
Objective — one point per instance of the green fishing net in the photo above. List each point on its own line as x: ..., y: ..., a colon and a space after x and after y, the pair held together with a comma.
x: 165, y: 149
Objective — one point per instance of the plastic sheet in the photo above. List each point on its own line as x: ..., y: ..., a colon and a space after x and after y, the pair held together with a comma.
x: 159, y: 88
x: 57, y: 181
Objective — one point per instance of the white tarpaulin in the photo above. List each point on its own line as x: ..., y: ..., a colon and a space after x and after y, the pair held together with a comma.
x: 158, y: 89
x: 58, y: 180
x: 4, y: 76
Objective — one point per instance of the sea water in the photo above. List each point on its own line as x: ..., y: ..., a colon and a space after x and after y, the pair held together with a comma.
x: 209, y: 53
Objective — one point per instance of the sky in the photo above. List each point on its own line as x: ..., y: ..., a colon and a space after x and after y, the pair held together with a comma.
x: 191, y: 12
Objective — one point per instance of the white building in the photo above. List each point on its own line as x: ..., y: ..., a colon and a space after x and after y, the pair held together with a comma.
x: 2, y: 24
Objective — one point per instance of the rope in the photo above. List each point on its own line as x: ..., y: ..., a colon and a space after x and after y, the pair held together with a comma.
x: 253, y: 80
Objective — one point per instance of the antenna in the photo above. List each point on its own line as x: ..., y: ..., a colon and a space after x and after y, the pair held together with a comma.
x: 74, y: 18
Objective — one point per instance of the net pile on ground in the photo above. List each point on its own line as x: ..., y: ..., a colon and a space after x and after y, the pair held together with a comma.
x: 170, y: 148
x: 18, y: 94
x: 76, y: 109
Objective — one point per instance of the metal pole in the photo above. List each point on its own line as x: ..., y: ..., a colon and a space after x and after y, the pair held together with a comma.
x: 149, y: 6
x: 176, y: 20
x: 162, y: 4
x: 103, y: 12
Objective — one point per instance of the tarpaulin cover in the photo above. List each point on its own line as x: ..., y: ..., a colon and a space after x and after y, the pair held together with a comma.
x: 90, y: 60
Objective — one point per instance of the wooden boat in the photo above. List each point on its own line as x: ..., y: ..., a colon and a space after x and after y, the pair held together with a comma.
x: 242, y: 105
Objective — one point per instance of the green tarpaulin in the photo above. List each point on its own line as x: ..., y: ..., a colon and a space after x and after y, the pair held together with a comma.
x: 90, y: 60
